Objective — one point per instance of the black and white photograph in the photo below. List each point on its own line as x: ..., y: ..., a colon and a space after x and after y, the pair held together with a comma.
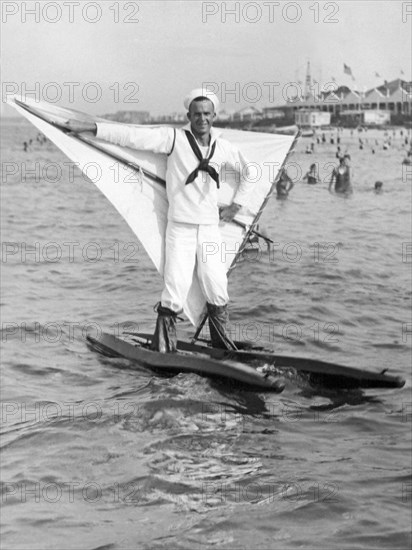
x: 206, y: 253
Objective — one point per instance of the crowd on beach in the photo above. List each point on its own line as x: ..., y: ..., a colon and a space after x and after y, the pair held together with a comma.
x: 340, y: 180
x: 40, y: 139
x: 341, y: 177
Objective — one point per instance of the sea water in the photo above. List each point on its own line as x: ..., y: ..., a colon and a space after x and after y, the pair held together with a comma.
x: 99, y: 453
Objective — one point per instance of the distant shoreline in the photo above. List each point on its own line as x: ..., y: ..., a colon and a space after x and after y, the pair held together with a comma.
x: 241, y: 125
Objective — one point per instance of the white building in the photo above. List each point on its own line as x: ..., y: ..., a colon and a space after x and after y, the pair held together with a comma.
x: 248, y: 113
x: 313, y: 119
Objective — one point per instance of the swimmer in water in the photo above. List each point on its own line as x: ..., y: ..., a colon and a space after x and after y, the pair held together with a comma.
x: 312, y: 175
x: 284, y: 186
x: 408, y: 159
x: 378, y: 187
x: 341, y: 177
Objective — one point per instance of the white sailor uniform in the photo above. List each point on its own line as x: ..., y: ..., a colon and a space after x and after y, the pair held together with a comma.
x: 193, y: 215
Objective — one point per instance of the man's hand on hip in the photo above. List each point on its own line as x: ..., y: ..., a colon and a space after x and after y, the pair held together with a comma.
x: 227, y: 213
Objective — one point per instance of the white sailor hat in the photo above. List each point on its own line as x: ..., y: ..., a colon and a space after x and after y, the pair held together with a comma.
x: 201, y: 92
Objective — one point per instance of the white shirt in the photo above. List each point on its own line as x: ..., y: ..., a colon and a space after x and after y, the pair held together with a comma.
x: 195, y: 202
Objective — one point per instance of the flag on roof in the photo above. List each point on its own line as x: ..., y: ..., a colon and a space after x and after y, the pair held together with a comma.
x: 347, y: 70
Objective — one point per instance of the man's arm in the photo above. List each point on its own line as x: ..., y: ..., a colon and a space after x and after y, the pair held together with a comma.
x: 158, y: 140
x: 237, y: 161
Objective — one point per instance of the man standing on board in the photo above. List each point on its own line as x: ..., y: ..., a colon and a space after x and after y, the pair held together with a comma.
x: 196, y: 154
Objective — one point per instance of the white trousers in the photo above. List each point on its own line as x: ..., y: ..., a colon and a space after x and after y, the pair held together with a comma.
x: 191, y: 247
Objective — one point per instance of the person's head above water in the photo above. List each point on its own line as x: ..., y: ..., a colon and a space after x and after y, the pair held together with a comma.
x: 378, y: 185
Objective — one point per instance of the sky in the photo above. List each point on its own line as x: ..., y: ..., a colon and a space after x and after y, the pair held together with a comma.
x: 101, y: 57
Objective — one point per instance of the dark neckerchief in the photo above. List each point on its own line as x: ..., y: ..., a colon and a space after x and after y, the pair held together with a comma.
x: 204, y: 165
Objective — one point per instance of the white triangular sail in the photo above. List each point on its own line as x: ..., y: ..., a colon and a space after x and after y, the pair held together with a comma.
x: 133, y: 181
